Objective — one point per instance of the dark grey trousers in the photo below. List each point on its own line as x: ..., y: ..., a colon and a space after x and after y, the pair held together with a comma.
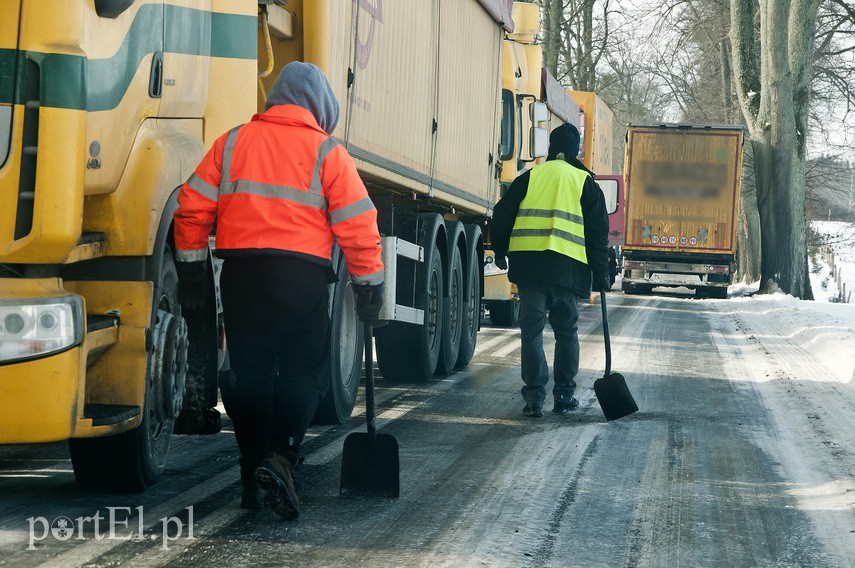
x: 560, y: 303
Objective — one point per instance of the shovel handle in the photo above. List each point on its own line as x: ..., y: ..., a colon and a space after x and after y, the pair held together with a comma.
x: 369, y: 381
x: 606, y: 333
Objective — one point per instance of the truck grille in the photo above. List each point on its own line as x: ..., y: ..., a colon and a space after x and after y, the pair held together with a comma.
x: 29, y: 150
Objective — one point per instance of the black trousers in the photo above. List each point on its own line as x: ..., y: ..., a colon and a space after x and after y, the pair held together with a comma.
x: 277, y: 333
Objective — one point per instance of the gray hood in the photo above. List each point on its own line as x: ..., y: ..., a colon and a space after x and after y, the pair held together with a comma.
x: 304, y: 85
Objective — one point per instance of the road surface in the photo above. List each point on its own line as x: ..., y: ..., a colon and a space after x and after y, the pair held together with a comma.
x: 741, y: 455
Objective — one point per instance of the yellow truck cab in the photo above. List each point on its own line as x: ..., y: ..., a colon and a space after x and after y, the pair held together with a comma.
x: 533, y: 104
x: 106, y: 108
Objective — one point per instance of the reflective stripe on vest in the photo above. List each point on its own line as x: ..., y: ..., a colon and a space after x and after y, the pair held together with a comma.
x: 550, y: 215
x: 312, y: 198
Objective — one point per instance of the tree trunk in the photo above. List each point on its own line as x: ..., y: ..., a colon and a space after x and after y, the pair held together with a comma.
x: 774, y: 95
x: 726, y: 88
x: 552, y: 34
x: 748, y: 228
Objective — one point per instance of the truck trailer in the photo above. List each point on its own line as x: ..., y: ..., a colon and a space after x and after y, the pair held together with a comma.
x: 107, y: 106
x: 681, y: 186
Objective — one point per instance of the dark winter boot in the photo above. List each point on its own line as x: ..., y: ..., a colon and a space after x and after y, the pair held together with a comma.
x: 252, y: 496
x: 533, y: 410
x: 565, y: 405
x: 275, y: 476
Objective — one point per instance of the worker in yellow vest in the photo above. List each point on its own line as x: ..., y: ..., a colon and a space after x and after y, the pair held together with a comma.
x: 553, y: 226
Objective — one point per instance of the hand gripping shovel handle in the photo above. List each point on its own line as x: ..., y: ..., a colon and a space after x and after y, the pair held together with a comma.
x: 370, y: 414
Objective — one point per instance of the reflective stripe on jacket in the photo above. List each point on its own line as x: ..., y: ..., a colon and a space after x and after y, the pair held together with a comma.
x: 550, y: 215
x: 280, y: 183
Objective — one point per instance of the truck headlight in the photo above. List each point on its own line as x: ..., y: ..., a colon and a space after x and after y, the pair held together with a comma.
x: 33, y: 328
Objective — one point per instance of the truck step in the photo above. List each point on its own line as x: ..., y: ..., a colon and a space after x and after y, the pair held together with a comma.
x: 102, y: 331
x: 104, y: 414
x: 91, y: 245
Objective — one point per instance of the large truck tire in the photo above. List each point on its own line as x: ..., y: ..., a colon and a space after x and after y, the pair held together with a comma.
x: 346, y: 345
x: 133, y: 461
x: 714, y: 292
x: 452, y: 321
x: 505, y: 314
x: 628, y: 288
x: 472, y: 302
x: 408, y: 353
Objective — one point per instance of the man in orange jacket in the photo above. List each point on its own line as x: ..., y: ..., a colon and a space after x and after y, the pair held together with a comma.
x: 280, y: 189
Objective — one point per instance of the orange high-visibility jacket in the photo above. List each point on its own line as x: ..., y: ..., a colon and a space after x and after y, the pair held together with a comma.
x: 280, y: 185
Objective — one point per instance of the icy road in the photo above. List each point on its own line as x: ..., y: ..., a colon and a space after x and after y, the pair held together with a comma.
x: 743, y: 454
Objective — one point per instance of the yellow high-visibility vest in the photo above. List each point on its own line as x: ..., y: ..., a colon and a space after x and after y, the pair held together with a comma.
x: 550, y: 215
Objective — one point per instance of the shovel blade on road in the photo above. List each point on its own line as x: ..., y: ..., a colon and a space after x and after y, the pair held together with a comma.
x: 370, y: 466
x: 611, y: 390
x: 614, y: 396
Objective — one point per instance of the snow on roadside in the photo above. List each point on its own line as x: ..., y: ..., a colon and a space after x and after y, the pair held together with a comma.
x: 825, y: 330
x: 841, y: 237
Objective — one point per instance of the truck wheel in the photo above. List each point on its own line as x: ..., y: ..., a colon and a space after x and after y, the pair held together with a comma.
x: 134, y: 460
x: 505, y: 314
x: 628, y: 288
x: 711, y: 292
x: 407, y: 352
x: 472, y: 304
x: 452, y: 321
x: 346, y: 344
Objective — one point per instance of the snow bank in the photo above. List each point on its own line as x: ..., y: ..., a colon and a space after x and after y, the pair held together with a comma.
x: 825, y: 330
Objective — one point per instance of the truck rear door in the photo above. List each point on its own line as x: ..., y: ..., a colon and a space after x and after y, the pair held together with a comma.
x: 682, y: 188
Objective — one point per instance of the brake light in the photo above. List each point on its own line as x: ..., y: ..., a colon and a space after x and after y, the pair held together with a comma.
x: 719, y: 269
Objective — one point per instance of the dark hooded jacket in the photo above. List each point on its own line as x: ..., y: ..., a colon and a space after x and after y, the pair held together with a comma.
x: 549, y: 267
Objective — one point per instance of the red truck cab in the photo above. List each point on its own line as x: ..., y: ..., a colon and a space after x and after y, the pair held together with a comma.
x: 612, y: 188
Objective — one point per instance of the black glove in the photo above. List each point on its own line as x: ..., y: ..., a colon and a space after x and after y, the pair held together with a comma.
x: 501, y: 262
x: 194, y: 286
x: 369, y: 300
x: 601, y: 283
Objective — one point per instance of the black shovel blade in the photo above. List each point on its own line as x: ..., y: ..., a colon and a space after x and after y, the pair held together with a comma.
x: 370, y: 466
x: 614, y: 397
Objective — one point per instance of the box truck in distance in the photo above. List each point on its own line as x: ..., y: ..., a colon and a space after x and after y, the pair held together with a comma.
x: 681, y: 187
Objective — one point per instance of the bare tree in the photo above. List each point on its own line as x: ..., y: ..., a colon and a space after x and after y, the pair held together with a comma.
x: 552, y: 23
x: 576, y: 38
x: 772, y: 70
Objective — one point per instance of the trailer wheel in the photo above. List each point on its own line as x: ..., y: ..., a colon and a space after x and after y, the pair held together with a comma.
x: 452, y: 321
x: 407, y: 352
x: 714, y: 292
x: 628, y: 288
x: 472, y: 305
x: 505, y: 314
x: 134, y: 460
x: 346, y: 343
